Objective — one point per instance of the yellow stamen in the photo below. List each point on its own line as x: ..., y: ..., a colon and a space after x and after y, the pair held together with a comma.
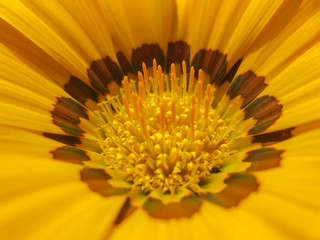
x: 135, y: 104
x: 126, y: 106
x: 191, y: 80
x: 146, y: 78
x: 143, y: 121
x: 160, y: 80
x: 174, y: 80
x: 199, y: 87
x: 192, y: 115
x: 163, y: 139
x: 155, y: 75
x: 173, y: 115
x: 184, y: 76
x: 142, y: 91
x: 162, y: 117
x: 207, y: 102
x: 127, y: 88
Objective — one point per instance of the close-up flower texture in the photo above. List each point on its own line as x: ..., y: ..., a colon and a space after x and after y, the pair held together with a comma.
x: 160, y: 119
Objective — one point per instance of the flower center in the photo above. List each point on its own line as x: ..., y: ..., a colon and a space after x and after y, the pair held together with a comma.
x: 161, y: 132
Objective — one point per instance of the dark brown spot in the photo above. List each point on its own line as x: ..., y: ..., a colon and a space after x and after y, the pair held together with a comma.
x: 183, y: 209
x: 211, y: 62
x: 146, y: 53
x: 67, y: 114
x: 176, y: 53
x: 239, y: 187
x: 103, y: 72
x: 65, y: 139
x: 273, y: 137
x: 80, y: 91
x: 263, y: 158
x: 248, y: 85
x: 215, y: 170
x: 97, y: 182
x: 70, y: 154
x: 266, y: 110
x: 125, y: 212
x: 124, y: 63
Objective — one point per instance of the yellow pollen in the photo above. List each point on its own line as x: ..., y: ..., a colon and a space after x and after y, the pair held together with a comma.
x: 161, y: 132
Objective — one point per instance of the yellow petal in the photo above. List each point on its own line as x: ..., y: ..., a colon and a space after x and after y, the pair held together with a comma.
x: 18, y: 46
x: 273, y: 53
x: 20, y: 81
x: 46, y: 198
x: 133, y: 23
x: 245, y: 26
x: 56, y: 33
x: 13, y: 140
x: 64, y: 211
x: 88, y: 16
x: 238, y: 223
x: 297, y: 178
x: 293, y: 220
x: 13, y: 115
x: 22, y: 173
x: 230, y: 26
x: 297, y: 88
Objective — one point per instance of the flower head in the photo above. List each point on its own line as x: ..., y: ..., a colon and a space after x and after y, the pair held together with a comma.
x: 159, y: 119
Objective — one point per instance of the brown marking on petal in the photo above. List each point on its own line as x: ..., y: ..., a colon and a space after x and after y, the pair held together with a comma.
x: 266, y: 110
x: 80, y: 91
x: 67, y: 114
x: 232, y: 72
x: 146, y: 53
x: 183, y: 209
x: 126, y: 210
x: 70, y: 154
x: 97, y: 182
x: 104, y: 71
x: 263, y: 158
x: 222, y: 86
x: 248, y: 85
x: 124, y: 63
x: 212, y: 62
x: 65, y: 139
x: 239, y: 187
x: 177, y: 52
x: 273, y: 137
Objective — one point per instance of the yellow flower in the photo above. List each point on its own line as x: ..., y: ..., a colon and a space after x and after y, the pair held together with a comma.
x: 160, y: 119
